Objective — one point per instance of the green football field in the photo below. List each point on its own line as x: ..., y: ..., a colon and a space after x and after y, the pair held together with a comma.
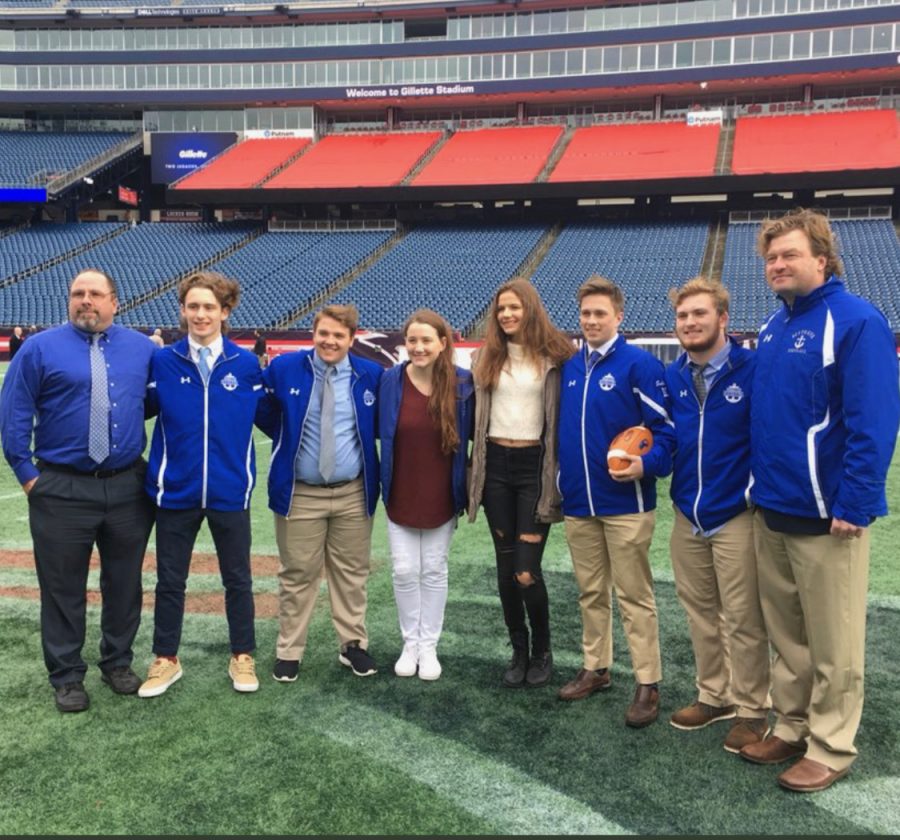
x: 335, y: 754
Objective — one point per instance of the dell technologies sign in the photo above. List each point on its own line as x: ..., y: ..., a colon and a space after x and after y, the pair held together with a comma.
x: 176, y: 155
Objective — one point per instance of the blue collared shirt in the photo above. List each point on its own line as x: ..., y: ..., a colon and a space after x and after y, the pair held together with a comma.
x: 348, y: 463
x: 47, y: 395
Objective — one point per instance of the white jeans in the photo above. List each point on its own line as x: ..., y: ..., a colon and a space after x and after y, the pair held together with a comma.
x: 420, y: 579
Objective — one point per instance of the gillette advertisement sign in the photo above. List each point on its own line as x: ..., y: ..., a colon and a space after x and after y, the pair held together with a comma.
x: 174, y: 155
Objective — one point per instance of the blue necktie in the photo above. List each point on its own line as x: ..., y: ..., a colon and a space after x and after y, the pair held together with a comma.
x: 98, y: 432
x: 203, y: 364
x: 326, y: 428
x: 593, y: 358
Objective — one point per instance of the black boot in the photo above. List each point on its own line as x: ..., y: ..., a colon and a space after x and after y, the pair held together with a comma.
x: 540, y: 669
x: 514, y: 675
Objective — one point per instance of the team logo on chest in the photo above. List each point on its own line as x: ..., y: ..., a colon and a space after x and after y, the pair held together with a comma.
x: 733, y: 393
x: 368, y: 397
x: 229, y: 382
x: 608, y: 382
x: 800, y: 338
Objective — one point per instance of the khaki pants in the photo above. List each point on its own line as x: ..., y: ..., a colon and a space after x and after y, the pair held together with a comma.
x: 326, y: 528
x: 715, y: 578
x: 611, y: 552
x: 813, y: 592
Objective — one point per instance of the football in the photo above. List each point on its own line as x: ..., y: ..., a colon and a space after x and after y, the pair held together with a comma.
x: 635, y: 440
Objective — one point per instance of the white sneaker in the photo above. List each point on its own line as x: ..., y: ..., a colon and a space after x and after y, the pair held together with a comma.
x: 408, y: 662
x: 429, y: 667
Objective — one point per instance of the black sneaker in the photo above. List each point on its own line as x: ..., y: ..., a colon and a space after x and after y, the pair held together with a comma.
x: 122, y: 680
x: 286, y: 670
x: 540, y: 669
x: 359, y: 660
x: 514, y: 675
x: 72, y: 697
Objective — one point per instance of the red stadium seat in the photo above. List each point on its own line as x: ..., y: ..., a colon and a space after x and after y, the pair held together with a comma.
x: 817, y: 142
x: 243, y: 165
x: 637, y: 151
x: 491, y: 156
x: 356, y: 160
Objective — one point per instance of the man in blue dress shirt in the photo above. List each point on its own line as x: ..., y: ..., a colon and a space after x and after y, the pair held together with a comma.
x: 78, y: 392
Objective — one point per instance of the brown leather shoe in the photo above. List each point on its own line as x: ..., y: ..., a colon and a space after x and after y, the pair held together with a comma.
x: 644, y: 709
x: 698, y: 715
x: 771, y: 750
x: 585, y: 684
x: 808, y: 776
x: 745, y: 731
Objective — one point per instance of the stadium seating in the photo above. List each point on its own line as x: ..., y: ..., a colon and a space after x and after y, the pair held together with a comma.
x: 140, y: 260
x: 645, y: 259
x: 634, y: 151
x: 817, y: 142
x: 278, y: 273
x: 491, y: 156
x: 452, y: 269
x: 29, y: 158
x: 243, y: 165
x: 356, y: 160
x: 29, y: 248
x: 870, y: 251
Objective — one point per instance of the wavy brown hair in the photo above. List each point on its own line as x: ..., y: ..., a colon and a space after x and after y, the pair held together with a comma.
x: 442, y: 401
x: 540, y: 338
x: 822, y: 241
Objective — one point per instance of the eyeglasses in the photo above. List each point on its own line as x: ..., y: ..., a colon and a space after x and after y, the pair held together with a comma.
x: 91, y: 294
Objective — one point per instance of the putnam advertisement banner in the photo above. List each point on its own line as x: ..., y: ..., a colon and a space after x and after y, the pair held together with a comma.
x: 174, y: 155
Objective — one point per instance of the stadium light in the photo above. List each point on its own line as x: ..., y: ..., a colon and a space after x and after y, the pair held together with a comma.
x: 88, y: 180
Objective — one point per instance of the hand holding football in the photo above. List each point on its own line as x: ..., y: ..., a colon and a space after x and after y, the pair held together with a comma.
x: 635, y: 440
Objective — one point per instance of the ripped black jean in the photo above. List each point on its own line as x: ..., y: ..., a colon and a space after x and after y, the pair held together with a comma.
x: 511, y: 489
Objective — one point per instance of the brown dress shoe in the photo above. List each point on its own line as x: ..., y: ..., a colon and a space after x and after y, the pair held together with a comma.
x: 808, y: 776
x: 644, y: 709
x: 585, y: 684
x: 745, y: 731
x: 772, y: 750
x: 699, y: 715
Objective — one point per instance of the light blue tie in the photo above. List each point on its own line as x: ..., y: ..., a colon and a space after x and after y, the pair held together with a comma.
x: 326, y: 429
x: 203, y: 364
x: 98, y: 432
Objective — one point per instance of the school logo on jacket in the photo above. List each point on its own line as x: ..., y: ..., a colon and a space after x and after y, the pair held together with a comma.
x: 368, y: 397
x: 229, y: 382
x: 733, y: 393
x: 800, y: 338
x: 608, y: 382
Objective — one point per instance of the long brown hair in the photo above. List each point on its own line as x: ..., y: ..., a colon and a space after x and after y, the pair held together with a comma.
x: 540, y: 338
x: 442, y: 401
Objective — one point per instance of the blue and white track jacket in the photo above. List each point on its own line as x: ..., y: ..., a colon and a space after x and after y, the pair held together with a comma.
x: 711, y: 472
x: 826, y: 408
x: 625, y: 388
x: 289, y: 381
x: 202, y: 452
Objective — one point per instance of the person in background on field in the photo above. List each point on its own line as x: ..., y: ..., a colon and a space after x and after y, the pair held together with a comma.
x: 514, y: 464
x: 823, y: 427
x: 608, y: 387
x: 78, y: 391
x: 207, y: 392
x: 425, y: 415
x: 259, y: 348
x: 713, y: 558
x: 157, y: 338
x: 323, y: 487
x: 15, y: 342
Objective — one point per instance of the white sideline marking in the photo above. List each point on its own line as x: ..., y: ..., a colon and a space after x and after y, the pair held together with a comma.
x: 871, y: 804
x: 7, y: 496
x: 510, y: 800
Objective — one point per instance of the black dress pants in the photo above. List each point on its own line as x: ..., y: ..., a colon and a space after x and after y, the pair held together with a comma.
x: 69, y: 513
